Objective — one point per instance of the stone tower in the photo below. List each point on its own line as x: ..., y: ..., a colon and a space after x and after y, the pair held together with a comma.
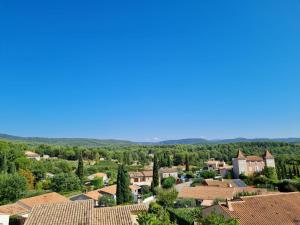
x: 269, y: 159
x: 239, y: 164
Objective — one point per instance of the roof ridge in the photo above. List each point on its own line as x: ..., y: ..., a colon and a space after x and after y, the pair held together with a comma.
x: 270, y: 194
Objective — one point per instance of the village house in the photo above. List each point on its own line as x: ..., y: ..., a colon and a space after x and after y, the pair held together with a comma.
x: 168, y: 172
x: 141, y: 178
x: 84, y: 212
x: 271, y: 209
x: 100, y: 175
x: 112, y: 191
x: 251, y: 164
x: 219, y: 166
x: 91, y: 195
x: 32, y: 155
x: 206, y: 195
x: 24, y: 206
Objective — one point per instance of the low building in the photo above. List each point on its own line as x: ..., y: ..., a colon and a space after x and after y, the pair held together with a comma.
x: 112, y: 191
x: 206, y: 195
x: 219, y: 166
x: 168, y: 172
x: 24, y: 206
x: 91, y: 195
x: 271, y: 209
x: 100, y: 175
x: 251, y: 164
x: 141, y: 178
x: 32, y: 155
x: 213, y: 164
x: 84, y: 212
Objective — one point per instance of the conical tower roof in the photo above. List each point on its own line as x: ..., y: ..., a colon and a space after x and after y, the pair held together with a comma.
x: 268, y: 155
x: 240, y: 155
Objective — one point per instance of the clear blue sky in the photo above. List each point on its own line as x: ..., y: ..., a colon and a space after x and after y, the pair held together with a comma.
x: 149, y: 70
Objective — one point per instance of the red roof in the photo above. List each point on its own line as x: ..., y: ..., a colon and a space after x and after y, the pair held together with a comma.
x: 240, y: 155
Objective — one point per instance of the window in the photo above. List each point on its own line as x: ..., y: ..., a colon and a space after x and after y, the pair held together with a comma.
x: 136, y: 179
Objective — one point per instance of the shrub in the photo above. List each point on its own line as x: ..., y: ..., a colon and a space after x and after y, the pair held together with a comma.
x: 184, y: 216
x: 168, y: 182
x: 189, y: 175
x: 165, y: 197
x: 106, y: 201
x: 208, y: 174
x: 12, y: 187
x: 185, y: 203
x: 287, y: 186
x: 97, y: 182
x: 145, y: 189
x: 197, y: 182
x: 65, y: 182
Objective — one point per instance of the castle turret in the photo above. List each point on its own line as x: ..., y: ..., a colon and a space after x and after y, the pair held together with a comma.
x: 239, y: 164
x: 269, y: 159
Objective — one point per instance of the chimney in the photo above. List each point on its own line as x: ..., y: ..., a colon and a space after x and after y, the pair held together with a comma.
x: 229, y: 205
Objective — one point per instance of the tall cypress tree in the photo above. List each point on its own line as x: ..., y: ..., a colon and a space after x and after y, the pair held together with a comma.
x: 79, y: 171
x: 123, y: 194
x: 187, y: 163
x: 155, y: 181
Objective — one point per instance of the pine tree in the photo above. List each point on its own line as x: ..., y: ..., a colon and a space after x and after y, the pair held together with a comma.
x: 79, y: 171
x: 187, y: 163
x: 123, y: 194
x: 155, y: 181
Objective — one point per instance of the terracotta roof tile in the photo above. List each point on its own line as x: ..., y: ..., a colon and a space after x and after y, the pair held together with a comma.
x: 254, y: 158
x: 83, y: 213
x: 52, y: 197
x: 268, y: 155
x: 93, y: 195
x: 212, y: 193
x: 69, y: 213
x: 117, y: 215
x: 113, y: 189
x: 240, y: 155
x: 275, y: 209
x: 13, y: 209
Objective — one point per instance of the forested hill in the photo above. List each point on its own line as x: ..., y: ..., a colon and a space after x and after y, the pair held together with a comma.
x: 88, y: 142
x: 80, y: 142
x: 227, y: 141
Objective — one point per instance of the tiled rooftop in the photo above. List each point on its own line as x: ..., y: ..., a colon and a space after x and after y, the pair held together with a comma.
x: 275, y: 209
x: 83, y: 213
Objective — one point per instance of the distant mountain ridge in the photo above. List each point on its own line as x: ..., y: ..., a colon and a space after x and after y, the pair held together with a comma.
x: 226, y: 141
x: 89, y: 142
x: 84, y: 142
